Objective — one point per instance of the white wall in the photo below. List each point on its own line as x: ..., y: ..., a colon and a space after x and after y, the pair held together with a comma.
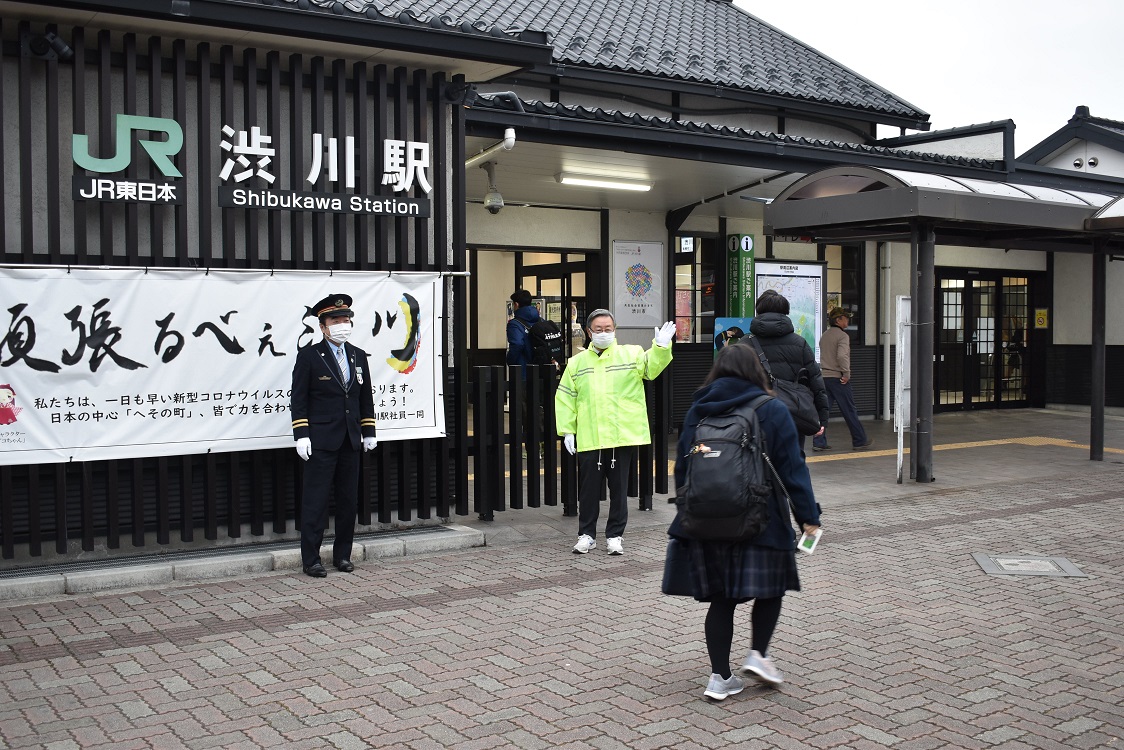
x: 1071, y: 318
x: 982, y: 146
x: 527, y: 226
x: 985, y: 257
x: 495, y: 275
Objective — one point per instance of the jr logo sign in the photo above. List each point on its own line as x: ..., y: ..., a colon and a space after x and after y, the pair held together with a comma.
x: 160, y: 151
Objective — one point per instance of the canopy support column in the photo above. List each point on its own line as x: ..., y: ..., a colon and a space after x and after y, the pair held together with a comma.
x: 923, y: 291
x: 1097, y: 399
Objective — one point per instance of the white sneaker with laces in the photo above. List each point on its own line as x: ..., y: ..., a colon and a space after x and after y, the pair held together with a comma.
x: 762, y: 669
x: 585, y: 544
x: 615, y: 545
x: 718, y: 688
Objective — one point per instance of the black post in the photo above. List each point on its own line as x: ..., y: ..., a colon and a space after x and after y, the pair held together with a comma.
x: 481, y: 491
x: 1096, y: 402
x: 922, y: 340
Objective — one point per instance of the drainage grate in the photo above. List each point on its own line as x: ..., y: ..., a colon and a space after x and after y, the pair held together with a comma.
x: 1027, y: 565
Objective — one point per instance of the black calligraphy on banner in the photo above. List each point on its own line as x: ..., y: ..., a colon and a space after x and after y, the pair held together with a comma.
x: 19, y: 341
x: 100, y: 337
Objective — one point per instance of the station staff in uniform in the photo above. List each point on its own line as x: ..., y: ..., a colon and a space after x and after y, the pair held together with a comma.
x: 333, y: 418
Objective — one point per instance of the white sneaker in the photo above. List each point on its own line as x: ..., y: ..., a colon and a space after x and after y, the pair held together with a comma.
x: 762, y: 669
x: 615, y: 545
x: 585, y: 544
x: 718, y: 688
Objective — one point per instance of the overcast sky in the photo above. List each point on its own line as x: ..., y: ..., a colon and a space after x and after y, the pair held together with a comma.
x: 972, y: 61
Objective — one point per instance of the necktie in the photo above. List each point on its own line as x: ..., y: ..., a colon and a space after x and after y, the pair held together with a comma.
x: 341, y: 360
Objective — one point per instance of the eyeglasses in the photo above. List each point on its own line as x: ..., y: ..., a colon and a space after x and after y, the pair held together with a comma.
x: 602, y: 329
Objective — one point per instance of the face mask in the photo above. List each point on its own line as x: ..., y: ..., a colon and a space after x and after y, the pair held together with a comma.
x: 603, y: 340
x: 340, y: 332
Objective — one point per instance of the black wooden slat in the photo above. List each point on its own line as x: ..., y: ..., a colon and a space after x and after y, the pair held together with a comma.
x: 423, y: 479
x: 3, y: 207
x: 138, y: 515
x: 251, y: 216
x: 78, y: 120
x: 163, y: 502
x: 106, y: 143
x: 203, y: 164
x: 27, y: 168
x: 7, y: 517
x: 339, y: 128
x: 440, y: 156
x: 422, y: 135
x: 281, y: 477
x: 403, y: 452
x: 51, y: 93
x: 516, y: 438
x: 550, y: 439
x: 401, y: 94
x: 210, y: 501
x: 132, y: 210
x: 87, y: 505
x: 34, y: 522
x: 273, y: 123
x: 112, y: 507
x: 179, y: 112
x: 234, y: 498
x: 296, y: 159
x: 319, y: 220
x: 61, y: 525
x: 532, y: 436
x: 456, y: 350
x: 382, y: 124
x: 384, y: 476
x: 155, y: 108
x: 257, y: 493
x: 228, y: 253
x: 187, y: 519
x: 494, y: 464
x: 366, y: 489
x: 368, y: 177
x: 481, y: 496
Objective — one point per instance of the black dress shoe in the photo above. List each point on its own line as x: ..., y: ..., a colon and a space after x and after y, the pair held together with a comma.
x: 316, y: 571
x: 344, y: 566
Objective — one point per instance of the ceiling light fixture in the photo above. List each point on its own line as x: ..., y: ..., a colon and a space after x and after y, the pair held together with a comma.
x: 609, y: 183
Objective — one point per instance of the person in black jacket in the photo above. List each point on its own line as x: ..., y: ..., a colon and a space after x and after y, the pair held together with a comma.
x: 727, y: 574
x: 788, y: 352
x: 334, y: 412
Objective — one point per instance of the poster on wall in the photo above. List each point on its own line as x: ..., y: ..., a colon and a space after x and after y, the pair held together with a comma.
x: 729, y: 331
x: 802, y: 284
x: 638, y: 284
x: 99, y: 363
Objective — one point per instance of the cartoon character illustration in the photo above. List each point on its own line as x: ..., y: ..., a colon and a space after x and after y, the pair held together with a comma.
x: 8, y: 409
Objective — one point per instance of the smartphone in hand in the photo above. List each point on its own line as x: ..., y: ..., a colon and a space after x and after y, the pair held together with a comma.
x: 808, y: 542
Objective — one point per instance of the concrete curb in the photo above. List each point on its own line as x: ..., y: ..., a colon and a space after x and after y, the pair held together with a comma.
x: 231, y: 565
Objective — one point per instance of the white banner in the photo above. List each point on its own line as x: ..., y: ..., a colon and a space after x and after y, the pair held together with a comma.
x: 638, y: 284
x: 102, y: 363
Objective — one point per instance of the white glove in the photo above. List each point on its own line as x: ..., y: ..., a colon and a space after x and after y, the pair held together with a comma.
x: 370, y: 443
x: 570, y: 443
x: 304, y: 448
x: 666, y: 334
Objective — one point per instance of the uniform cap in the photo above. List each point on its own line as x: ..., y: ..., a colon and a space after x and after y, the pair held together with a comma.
x: 333, y: 304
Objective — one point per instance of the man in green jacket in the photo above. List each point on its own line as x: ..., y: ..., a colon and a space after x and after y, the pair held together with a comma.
x: 602, y: 416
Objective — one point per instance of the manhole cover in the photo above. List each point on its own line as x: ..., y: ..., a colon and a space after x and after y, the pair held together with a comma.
x: 1027, y: 565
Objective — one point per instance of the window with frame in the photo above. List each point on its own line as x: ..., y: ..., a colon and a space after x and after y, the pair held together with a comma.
x: 695, y: 261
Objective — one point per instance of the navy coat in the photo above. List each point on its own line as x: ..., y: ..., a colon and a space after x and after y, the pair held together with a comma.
x: 788, y: 353
x: 782, y: 446
x: 323, y: 409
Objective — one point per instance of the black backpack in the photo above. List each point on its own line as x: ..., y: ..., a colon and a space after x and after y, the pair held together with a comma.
x: 727, y: 490
x: 546, y: 342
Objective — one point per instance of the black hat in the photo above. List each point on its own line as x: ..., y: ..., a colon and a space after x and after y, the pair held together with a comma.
x: 333, y: 305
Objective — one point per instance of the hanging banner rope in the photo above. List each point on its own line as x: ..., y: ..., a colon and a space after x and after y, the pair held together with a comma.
x: 99, y: 363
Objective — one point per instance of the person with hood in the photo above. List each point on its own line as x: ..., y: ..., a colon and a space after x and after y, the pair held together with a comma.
x: 726, y: 574
x: 602, y: 415
x: 787, y: 351
x: 520, y: 348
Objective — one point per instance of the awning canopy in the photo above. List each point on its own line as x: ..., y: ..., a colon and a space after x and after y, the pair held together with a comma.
x: 871, y: 203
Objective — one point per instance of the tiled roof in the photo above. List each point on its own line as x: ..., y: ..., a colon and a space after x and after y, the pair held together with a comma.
x: 706, y: 41
x: 664, y: 123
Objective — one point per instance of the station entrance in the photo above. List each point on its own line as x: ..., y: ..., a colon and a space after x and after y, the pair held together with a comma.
x: 983, y: 351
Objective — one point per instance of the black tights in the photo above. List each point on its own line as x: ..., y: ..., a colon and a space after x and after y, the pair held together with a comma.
x: 719, y: 629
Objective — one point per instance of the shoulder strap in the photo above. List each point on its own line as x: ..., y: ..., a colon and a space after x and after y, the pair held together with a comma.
x: 523, y: 323
x: 764, y: 454
x: 761, y: 355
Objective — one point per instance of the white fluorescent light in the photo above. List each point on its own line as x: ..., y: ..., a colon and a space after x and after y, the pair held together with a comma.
x: 610, y: 183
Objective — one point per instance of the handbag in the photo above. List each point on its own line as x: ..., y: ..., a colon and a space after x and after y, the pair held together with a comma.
x: 677, y: 569
x: 796, y: 396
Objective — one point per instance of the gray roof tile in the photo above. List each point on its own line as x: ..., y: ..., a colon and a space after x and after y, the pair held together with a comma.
x: 706, y: 41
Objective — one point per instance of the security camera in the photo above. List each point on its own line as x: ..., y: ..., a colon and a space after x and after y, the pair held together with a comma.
x: 493, y: 201
x: 49, y: 47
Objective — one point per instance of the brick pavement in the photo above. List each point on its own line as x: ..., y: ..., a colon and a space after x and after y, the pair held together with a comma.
x: 898, y: 640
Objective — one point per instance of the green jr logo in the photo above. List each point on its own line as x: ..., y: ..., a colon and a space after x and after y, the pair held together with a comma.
x: 160, y: 151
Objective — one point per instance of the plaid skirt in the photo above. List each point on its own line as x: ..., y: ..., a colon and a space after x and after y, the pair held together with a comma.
x: 730, y: 570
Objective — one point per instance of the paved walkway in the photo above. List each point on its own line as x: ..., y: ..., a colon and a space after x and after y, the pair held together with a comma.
x: 898, y: 640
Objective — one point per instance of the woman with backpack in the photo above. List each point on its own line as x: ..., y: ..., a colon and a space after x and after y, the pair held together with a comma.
x: 726, y: 574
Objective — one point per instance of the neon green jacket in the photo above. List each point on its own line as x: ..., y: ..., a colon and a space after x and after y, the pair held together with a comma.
x: 601, y: 401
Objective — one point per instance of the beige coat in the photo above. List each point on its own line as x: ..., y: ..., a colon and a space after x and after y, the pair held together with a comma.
x: 835, y: 353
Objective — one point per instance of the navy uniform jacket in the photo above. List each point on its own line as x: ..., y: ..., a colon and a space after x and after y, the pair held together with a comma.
x: 323, y: 409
